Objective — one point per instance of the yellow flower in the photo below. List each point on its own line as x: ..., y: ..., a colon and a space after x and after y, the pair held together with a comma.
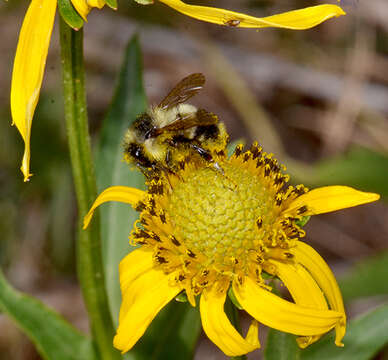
x: 204, y: 231
x: 30, y: 61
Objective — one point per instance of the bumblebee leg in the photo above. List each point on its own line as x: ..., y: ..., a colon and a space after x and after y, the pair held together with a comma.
x: 217, y: 166
x: 214, y: 164
x: 208, y: 157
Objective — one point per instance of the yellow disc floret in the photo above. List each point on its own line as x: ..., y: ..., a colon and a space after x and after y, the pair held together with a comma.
x: 216, y: 213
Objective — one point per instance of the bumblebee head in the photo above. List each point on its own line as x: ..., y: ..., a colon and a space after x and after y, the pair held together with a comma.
x: 135, y: 153
x: 143, y: 126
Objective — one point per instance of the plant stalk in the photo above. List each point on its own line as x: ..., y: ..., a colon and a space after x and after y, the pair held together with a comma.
x: 89, y: 256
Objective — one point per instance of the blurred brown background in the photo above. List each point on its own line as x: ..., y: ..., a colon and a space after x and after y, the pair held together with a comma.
x: 318, y: 99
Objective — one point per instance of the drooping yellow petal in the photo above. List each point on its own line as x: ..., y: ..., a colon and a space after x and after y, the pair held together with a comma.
x: 28, y: 69
x: 283, y: 315
x: 218, y: 328
x: 296, y: 19
x: 320, y: 271
x: 123, y: 194
x: 303, y: 289
x: 331, y: 198
x: 143, y: 299
x: 96, y: 3
x: 82, y: 8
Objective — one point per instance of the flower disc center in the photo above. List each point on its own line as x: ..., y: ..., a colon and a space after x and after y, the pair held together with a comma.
x: 217, y: 214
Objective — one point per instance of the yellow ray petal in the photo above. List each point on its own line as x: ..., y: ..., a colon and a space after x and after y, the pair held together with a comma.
x: 296, y: 19
x: 82, y: 8
x: 123, y: 194
x: 283, y: 315
x: 320, y: 271
x: 331, y: 198
x: 96, y: 3
x: 303, y: 289
x: 135, y: 264
x: 141, y: 302
x: 143, y: 276
x: 28, y: 69
x: 218, y: 328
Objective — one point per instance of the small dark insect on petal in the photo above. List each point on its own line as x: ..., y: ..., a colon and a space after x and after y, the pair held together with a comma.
x: 232, y: 22
x: 302, y: 210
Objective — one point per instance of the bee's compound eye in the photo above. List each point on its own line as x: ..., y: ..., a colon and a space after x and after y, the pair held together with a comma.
x: 135, y: 150
x: 138, y: 153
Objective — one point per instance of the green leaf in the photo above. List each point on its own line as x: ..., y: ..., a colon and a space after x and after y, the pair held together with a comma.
x: 368, y: 278
x: 117, y: 219
x: 171, y: 336
x: 70, y: 15
x: 54, y: 338
x: 365, y: 336
x: 361, y: 168
x: 281, y: 346
x: 112, y: 4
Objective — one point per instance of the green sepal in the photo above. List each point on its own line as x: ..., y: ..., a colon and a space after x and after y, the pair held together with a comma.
x: 233, y: 299
x: 303, y: 221
x: 54, y: 338
x: 182, y: 297
x: 267, y: 276
x: 70, y: 15
x: 233, y: 144
x: 112, y: 4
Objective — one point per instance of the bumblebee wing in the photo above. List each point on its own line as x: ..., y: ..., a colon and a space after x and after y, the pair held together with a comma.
x: 199, y: 118
x: 183, y: 91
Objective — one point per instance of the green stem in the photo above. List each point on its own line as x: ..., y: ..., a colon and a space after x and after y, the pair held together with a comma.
x: 89, y: 256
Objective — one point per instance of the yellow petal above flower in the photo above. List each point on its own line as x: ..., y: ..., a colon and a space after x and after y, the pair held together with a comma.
x: 115, y: 193
x: 331, y: 198
x: 96, y: 3
x: 28, y: 69
x: 296, y: 20
x: 29, y: 65
x: 219, y: 329
x: 82, y: 7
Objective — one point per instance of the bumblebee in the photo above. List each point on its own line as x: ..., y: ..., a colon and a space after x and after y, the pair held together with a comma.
x: 164, y: 137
